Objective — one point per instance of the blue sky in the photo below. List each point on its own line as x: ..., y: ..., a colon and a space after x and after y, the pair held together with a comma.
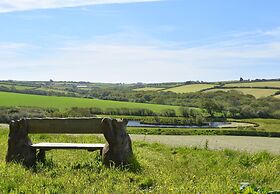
x: 139, y: 40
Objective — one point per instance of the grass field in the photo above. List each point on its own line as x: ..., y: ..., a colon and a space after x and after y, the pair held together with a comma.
x: 18, y: 87
x: 51, y: 90
x: 190, y: 88
x: 277, y: 96
x: 265, y: 124
x: 258, y: 93
x: 161, y: 169
x: 255, y: 84
x: 14, y: 99
x: 148, y: 89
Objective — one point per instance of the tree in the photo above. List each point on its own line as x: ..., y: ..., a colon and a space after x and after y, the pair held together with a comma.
x: 234, y: 111
x: 186, y: 112
x: 212, y: 107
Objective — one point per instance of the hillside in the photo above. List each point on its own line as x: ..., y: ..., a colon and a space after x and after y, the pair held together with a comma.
x: 190, y: 88
x: 262, y: 88
x: 15, y: 99
x: 258, y: 93
x: 272, y: 84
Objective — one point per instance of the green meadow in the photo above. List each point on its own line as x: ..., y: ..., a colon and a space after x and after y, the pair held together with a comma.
x: 157, y: 169
x: 15, y: 99
x: 272, y: 125
x: 148, y: 89
x: 17, y: 87
x: 258, y: 93
x: 190, y: 88
x: 275, y: 84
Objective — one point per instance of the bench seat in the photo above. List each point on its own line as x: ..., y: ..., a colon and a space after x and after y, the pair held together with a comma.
x: 50, y: 146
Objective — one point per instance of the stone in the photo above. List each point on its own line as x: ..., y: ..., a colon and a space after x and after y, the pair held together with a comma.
x: 19, y: 144
x: 118, y: 151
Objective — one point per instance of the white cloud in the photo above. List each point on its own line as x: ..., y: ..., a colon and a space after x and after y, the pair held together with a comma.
x: 149, y: 61
x: 23, y: 5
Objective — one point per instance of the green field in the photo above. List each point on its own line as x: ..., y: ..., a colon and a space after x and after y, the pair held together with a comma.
x: 265, y: 124
x: 258, y: 93
x: 51, y: 90
x: 17, y: 87
x: 14, y: 99
x: 190, y: 88
x: 160, y: 169
x: 278, y: 96
x: 148, y: 89
x: 275, y: 84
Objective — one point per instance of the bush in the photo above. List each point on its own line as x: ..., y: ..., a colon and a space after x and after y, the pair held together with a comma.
x: 169, y: 113
x: 13, y: 113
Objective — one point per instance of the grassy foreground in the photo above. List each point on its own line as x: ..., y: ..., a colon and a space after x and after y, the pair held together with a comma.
x: 161, y: 169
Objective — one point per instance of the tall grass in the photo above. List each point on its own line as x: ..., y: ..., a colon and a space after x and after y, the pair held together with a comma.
x: 162, y: 170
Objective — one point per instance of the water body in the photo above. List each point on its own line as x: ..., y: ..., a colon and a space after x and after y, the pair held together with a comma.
x: 207, y: 125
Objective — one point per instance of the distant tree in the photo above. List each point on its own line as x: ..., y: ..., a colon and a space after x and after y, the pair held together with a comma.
x: 186, y: 112
x: 169, y: 113
x: 233, y: 111
x: 248, y: 112
x: 212, y: 107
x: 241, y: 79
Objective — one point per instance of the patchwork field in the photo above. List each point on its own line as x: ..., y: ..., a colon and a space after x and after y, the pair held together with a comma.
x: 17, y: 87
x: 189, y: 88
x: 158, y: 169
x: 258, y: 93
x: 14, y: 99
x: 51, y: 90
x: 265, y: 124
x: 148, y: 89
x: 275, y: 84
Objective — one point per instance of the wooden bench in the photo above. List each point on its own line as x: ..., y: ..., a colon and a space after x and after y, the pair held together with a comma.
x: 20, y: 148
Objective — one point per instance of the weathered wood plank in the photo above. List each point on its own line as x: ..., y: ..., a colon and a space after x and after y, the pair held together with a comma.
x: 65, y: 125
x: 49, y: 146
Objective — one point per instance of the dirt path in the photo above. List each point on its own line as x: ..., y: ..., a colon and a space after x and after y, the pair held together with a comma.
x: 242, y: 143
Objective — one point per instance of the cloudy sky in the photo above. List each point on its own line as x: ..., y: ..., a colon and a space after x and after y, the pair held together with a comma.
x: 139, y: 40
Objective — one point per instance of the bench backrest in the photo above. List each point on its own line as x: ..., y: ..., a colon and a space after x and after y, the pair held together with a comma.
x: 68, y: 125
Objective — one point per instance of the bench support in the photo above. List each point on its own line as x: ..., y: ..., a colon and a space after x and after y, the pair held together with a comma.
x: 118, y: 151
x: 19, y: 144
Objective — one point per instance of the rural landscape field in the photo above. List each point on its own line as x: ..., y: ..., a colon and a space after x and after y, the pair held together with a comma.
x: 140, y: 96
x: 162, y: 166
